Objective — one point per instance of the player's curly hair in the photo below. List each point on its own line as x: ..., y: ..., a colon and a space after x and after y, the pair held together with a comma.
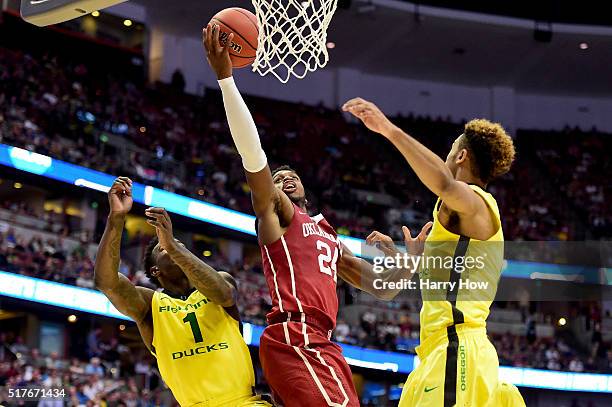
x: 282, y: 168
x: 491, y: 147
x: 148, y: 260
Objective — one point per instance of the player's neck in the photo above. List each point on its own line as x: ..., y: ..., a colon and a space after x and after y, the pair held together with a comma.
x: 300, y: 203
x: 180, y: 287
x: 469, y: 178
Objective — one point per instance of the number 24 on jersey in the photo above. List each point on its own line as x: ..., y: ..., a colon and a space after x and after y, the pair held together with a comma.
x: 327, y: 260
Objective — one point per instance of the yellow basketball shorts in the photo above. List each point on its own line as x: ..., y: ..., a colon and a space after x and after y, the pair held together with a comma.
x: 458, y: 367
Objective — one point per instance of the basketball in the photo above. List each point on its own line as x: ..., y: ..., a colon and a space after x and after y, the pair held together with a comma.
x: 243, y: 24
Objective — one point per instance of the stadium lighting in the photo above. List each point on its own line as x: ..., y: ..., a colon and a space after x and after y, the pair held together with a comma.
x: 127, y: 23
x: 18, y: 185
x: 207, y: 253
x: 142, y: 129
x: 122, y: 327
x: 584, y: 45
x: 95, y: 13
x: 331, y: 45
x: 72, y: 318
x: 562, y: 321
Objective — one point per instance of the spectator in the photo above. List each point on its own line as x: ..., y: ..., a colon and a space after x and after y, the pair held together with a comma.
x: 94, y: 368
x: 93, y: 342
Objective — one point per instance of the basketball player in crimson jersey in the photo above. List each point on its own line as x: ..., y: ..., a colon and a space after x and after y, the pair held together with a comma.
x: 302, y: 257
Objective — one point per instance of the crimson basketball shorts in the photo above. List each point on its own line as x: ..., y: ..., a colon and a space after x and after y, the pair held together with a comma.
x: 304, y: 368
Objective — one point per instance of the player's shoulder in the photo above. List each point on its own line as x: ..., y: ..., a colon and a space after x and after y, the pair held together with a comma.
x: 319, y: 218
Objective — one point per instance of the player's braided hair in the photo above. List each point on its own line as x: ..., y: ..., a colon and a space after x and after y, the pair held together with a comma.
x: 491, y: 147
x: 148, y: 260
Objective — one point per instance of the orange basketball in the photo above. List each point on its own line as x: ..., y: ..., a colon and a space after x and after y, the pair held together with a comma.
x: 243, y: 24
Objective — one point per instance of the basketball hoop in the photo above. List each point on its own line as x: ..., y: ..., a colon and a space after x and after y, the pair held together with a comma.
x: 292, y: 36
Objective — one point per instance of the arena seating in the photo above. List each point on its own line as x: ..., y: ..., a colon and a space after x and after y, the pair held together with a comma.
x: 179, y: 142
x: 110, y: 376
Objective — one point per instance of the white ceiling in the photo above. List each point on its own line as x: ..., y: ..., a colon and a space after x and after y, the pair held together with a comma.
x: 391, y: 42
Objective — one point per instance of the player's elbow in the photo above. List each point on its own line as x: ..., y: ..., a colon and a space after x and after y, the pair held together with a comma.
x: 224, y: 296
x: 227, y: 299
x: 224, y: 291
x: 386, y: 295
x: 103, y: 283
x: 379, y: 290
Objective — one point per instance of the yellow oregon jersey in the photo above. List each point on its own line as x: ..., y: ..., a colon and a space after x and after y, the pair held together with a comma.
x: 200, y: 352
x: 475, y: 286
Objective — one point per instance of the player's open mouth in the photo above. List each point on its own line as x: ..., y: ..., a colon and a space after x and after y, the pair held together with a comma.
x: 289, y: 188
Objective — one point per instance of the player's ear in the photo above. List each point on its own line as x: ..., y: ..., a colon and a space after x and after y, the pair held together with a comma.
x: 461, y: 156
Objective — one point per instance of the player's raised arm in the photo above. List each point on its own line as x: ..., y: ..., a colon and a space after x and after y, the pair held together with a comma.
x: 266, y: 198
x: 219, y: 287
x: 430, y: 168
x: 130, y: 300
x: 361, y: 274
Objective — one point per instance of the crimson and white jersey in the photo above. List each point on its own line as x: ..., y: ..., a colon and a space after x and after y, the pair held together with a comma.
x: 300, y: 269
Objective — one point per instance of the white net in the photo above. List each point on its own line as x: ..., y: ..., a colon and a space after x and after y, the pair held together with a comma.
x: 292, y: 36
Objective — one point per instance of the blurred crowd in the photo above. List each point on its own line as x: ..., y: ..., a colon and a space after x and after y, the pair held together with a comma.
x: 46, y: 258
x: 163, y: 137
x: 551, y: 354
x: 111, y: 377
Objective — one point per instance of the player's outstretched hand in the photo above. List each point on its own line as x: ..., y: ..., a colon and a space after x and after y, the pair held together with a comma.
x: 160, y: 220
x: 217, y: 53
x: 382, y: 242
x: 120, y: 196
x: 416, y: 245
x: 370, y: 115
